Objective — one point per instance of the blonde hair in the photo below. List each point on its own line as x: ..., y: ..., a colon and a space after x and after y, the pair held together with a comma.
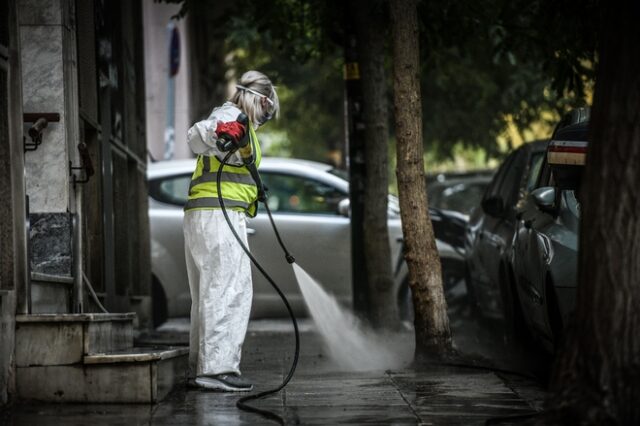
x: 247, y: 100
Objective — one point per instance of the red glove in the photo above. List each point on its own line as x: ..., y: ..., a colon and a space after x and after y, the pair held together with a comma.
x: 231, y: 130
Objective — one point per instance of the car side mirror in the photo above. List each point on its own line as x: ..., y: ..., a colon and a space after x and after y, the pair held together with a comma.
x: 545, y: 198
x: 344, y: 207
x: 493, y: 206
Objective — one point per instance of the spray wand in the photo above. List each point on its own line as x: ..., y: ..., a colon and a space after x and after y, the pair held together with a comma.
x: 245, y: 148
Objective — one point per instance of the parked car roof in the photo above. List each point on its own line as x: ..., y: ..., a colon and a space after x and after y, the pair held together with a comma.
x: 160, y: 168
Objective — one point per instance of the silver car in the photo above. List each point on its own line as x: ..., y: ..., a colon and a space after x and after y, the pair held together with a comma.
x: 309, y: 202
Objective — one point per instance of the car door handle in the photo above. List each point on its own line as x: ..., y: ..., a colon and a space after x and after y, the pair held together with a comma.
x: 251, y: 231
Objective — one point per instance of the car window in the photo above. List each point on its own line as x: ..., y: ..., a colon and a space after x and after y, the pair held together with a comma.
x: 534, y: 168
x: 512, y: 180
x: 535, y: 164
x: 494, y: 187
x: 545, y: 178
x: 571, y: 200
x: 171, y: 189
x: 295, y: 194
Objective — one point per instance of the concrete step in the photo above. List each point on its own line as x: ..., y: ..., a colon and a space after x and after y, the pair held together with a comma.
x: 64, y: 339
x: 134, y: 375
x: 50, y: 294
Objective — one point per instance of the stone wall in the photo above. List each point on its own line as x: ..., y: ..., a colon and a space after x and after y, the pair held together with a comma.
x: 43, y: 36
x: 47, y: 47
x: 98, y: 46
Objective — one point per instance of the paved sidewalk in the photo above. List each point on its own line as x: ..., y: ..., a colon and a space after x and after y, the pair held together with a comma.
x: 317, y: 395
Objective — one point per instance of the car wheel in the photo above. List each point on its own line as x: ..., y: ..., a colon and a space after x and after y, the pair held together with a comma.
x: 159, y: 300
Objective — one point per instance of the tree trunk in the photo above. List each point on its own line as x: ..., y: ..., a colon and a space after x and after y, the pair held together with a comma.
x: 207, y: 54
x: 597, y: 374
x: 433, y: 337
x: 371, y: 35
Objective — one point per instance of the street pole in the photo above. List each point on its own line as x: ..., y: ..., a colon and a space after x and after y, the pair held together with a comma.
x: 357, y: 172
x: 174, y: 65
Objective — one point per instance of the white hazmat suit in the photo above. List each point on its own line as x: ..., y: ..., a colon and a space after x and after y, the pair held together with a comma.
x: 219, y: 270
x: 220, y: 283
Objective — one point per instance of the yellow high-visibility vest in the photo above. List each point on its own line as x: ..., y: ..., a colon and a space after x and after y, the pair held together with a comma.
x: 239, y: 191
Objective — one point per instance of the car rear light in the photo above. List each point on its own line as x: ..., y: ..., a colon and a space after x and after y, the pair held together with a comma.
x: 570, y: 153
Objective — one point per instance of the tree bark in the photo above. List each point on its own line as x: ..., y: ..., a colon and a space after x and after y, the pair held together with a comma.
x: 596, y: 379
x: 433, y: 337
x: 371, y: 31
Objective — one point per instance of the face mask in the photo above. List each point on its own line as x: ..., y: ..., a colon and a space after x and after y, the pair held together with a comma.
x: 266, y: 116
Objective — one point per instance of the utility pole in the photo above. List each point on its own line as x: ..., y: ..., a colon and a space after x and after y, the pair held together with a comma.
x: 173, y: 37
x: 355, y: 142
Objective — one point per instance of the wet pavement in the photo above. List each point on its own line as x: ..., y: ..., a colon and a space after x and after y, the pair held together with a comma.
x: 319, y: 394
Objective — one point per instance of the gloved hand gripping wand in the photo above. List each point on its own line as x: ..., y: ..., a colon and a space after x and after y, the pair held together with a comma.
x: 250, y: 163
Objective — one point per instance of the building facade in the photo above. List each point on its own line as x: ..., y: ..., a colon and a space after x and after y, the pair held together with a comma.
x: 73, y: 195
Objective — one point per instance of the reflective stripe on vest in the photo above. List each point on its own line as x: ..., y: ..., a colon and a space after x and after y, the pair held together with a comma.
x: 206, y: 202
x: 238, y: 188
x: 225, y: 177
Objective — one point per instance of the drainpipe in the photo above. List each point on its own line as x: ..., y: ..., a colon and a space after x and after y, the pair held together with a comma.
x: 86, y: 169
x: 22, y: 248
x: 19, y: 200
x: 78, y: 294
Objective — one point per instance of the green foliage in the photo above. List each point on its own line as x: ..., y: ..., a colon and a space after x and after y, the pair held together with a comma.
x: 487, y: 66
x: 559, y: 35
x: 311, y: 95
x: 298, y: 29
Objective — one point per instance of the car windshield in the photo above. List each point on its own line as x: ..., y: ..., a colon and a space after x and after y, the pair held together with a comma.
x: 460, y: 196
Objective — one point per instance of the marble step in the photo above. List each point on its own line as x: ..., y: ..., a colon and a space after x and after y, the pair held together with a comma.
x: 50, y: 294
x: 64, y: 339
x: 134, y: 375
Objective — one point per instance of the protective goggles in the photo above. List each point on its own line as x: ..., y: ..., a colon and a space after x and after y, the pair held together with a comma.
x: 255, y: 92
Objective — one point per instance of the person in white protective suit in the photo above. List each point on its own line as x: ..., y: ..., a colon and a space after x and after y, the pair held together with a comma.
x: 219, y: 270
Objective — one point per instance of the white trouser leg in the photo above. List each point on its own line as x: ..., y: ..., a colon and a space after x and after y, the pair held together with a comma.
x: 194, y: 279
x: 220, y: 283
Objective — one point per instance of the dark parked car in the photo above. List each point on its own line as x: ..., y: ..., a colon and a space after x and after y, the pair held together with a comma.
x: 545, y: 246
x: 490, y: 228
